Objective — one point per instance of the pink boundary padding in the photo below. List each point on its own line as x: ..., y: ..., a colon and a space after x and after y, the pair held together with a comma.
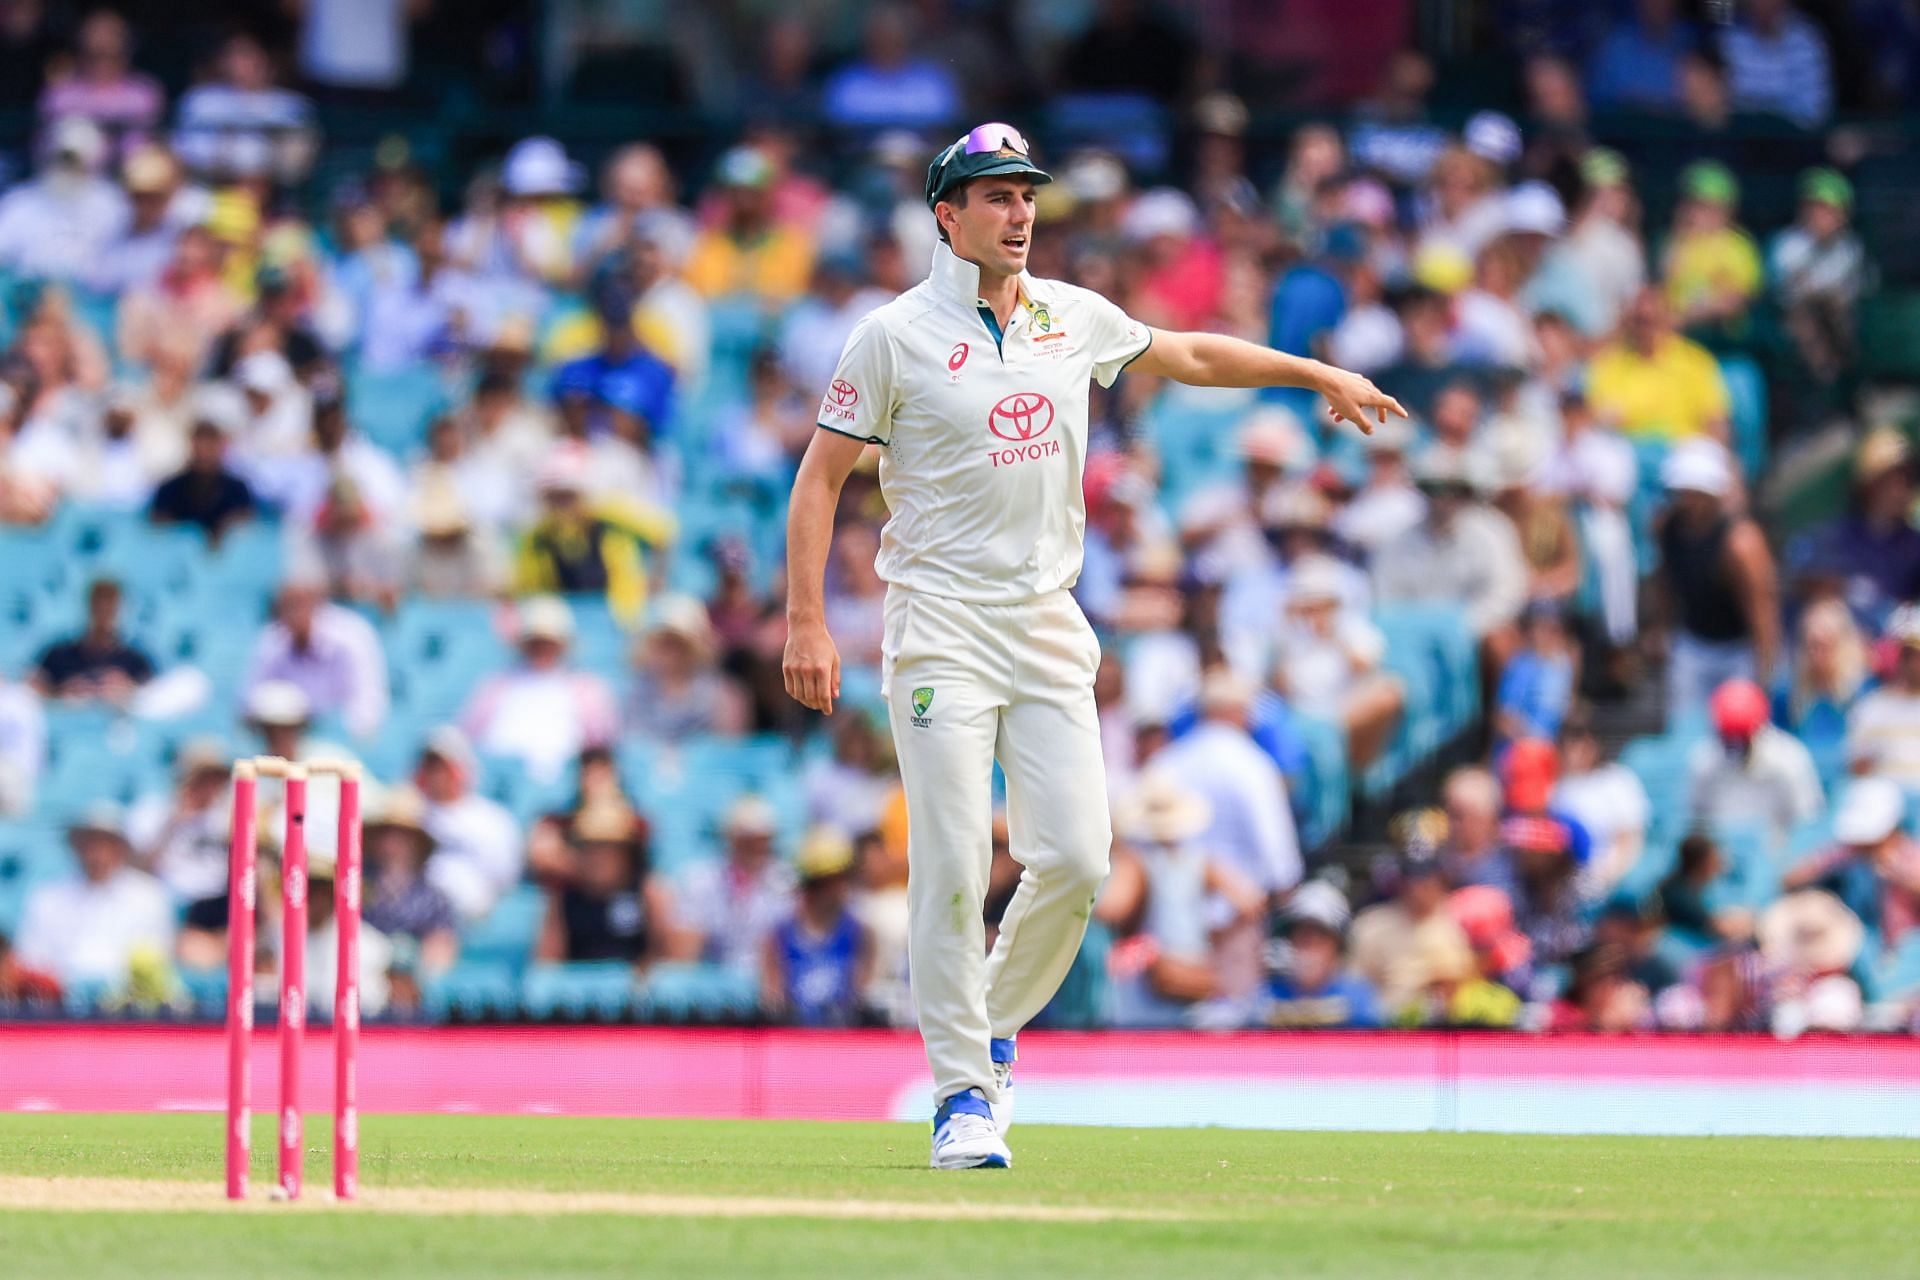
x: 293, y: 979
x: 660, y: 1071
x: 242, y: 884
x: 346, y: 995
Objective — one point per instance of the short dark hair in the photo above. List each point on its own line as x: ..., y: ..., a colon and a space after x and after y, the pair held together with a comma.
x: 957, y: 197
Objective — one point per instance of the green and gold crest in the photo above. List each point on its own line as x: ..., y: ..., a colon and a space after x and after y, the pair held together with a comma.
x: 922, y: 699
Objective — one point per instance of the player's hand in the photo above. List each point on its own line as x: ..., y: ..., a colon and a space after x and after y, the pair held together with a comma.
x: 1355, y: 399
x: 811, y: 666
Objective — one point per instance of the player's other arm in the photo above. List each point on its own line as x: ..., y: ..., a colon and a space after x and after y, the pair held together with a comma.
x: 1215, y: 360
x: 812, y: 664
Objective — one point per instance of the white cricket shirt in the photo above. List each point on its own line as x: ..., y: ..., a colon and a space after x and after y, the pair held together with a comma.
x: 984, y: 434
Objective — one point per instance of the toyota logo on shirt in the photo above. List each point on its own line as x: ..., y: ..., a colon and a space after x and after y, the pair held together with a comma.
x: 1021, y: 417
x: 837, y: 404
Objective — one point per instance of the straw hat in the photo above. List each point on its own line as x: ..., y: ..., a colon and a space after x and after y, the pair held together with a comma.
x: 1811, y: 932
x: 404, y: 809
x: 1161, y: 810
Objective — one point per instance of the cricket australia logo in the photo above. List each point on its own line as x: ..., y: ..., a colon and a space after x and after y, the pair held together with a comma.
x: 922, y: 700
x: 1021, y: 419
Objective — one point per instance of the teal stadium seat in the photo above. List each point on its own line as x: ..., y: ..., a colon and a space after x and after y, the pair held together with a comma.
x: 603, y: 990
x: 698, y: 993
x: 472, y: 990
x: 1326, y: 793
x: 394, y: 409
x: 506, y: 935
x: 1747, y: 394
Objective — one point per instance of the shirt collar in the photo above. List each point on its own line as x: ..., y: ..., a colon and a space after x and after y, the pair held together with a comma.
x: 959, y: 279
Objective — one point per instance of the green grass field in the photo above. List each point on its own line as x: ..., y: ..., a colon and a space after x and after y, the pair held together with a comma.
x: 542, y: 1197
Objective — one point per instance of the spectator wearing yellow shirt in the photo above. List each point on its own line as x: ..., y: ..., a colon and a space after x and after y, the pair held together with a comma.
x: 580, y: 545
x: 1653, y: 384
x: 749, y: 252
x: 1712, y: 267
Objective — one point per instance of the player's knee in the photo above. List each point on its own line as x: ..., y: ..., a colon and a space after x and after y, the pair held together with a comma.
x: 1085, y: 864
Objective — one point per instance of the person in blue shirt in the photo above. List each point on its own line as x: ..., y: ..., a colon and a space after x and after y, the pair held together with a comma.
x: 1310, y: 300
x: 1636, y: 65
x: 1311, y: 985
x: 623, y: 388
x: 819, y: 961
x: 1537, y: 686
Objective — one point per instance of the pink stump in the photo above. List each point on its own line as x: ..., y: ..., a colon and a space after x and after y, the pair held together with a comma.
x: 241, y: 882
x: 346, y: 995
x: 293, y: 976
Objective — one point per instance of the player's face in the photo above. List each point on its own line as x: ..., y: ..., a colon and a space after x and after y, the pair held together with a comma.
x: 995, y: 227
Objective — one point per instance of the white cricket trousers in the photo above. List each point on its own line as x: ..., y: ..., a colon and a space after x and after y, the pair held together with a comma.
x: 967, y: 684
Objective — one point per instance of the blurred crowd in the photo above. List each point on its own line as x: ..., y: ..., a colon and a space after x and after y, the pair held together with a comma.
x: 621, y: 370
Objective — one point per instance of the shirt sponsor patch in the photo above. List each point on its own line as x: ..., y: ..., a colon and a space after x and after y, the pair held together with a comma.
x: 837, y: 405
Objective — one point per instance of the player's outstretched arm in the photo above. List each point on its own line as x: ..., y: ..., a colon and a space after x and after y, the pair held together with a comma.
x: 1215, y: 360
x: 812, y: 665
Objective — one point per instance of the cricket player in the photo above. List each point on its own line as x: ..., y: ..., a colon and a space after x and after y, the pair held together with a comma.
x: 974, y: 386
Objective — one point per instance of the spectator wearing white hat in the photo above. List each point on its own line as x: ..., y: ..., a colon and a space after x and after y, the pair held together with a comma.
x: 1494, y: 324
x: 1175, y: 967
x: 58, y: 224
x: 1310, y: 985
x: 95, y: 926
x: 1250, y: 826
x: 1810, y: 941
x: 1295, y: 520
x: 1721, y: 587
x: 1873, y: 866
x: 279, y: 717
x: 274, y: 427
x: 529, y: 240
x: 734, y: 903
x: 1464, y: 553
x: 678, y: 690
x: 327, y: 651
x: 1219, y: 525
x: 543, y: 711
x: 1883, y: 730
x: 1328, y: 661
x: 478, y: 854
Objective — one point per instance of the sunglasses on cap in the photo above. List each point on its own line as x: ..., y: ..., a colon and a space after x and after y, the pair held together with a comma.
x: 995, y: 137
x: 996, y: 140
x: 988, y: 139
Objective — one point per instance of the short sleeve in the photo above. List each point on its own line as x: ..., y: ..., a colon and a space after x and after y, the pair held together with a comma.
x: 1117, y: 339
x: 859, y: 400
